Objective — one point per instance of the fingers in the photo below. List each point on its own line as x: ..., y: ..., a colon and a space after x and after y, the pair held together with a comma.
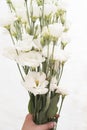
x: 47, y: 126
x: 29, y: 124
x: 29, y: 117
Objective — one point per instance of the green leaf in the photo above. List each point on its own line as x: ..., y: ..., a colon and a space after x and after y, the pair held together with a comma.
x: 31, y: 106
x: 52, y: 110
x: 47, y: 102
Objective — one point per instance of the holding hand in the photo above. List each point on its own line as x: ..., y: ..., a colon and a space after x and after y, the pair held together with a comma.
x: 30, y: 125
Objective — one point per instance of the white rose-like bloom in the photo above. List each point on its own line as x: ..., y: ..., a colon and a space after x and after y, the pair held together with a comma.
x: 59, y: 54
x: 6, y: 18
x: 56, y: 29
x: 61, y: 5
x: 45, y: 50
x: 65, y: 38
x: 45, y: 31
x: 67, y: 25
x: 49, y: 9
x: 21, y: 13
x: 25, y: 44
x: 36, y: 83
x: 32, y: 58
x: 37, y: 43
x: 36, y: 10
x: 53, y: 84
x: 20, y: 9
x: 62, y: 91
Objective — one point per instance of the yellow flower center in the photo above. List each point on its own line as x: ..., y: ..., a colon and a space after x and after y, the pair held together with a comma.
x: 37, y: 82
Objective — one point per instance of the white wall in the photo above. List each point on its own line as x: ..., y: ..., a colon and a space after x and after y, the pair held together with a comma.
x: 14, y: 98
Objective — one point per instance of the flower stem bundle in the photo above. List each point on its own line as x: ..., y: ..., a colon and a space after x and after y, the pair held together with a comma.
x: 38, y: 29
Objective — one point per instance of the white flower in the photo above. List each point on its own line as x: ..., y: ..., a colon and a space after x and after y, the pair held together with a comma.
x: 37, y: 43
x: 45, y: 31
x: 53, y: 84
x: 32, y: 58
x: 10, y: 53
x: 36, y: 83
x: 21, y: 13
x: 7, y: 18
x: 62, y: 5
x: 20, y: 9
x: 45, y: 50
x: 58, y: 55
x: 25, y: 44
x: 55, y: 29
x: 62, y: 91
x: 65, y: 38
x: 49, y: 9
x: 36, y: 10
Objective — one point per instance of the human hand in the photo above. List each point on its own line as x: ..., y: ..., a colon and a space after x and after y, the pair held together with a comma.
x: 30, y: 125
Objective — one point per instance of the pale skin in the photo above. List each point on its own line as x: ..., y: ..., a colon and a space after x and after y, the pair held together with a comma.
x: 30, y: 125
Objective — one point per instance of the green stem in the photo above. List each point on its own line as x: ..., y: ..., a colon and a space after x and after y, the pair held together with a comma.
x: 60, y: 74
x: 17, y: 54
x: 61, y: 104
x: 47, y: 63
x: 42, y: 17
x: 27, y: 12
x: 20, y: 72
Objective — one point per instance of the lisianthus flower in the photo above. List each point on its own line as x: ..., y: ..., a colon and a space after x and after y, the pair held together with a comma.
x: 36, y: 83
x: 55, y: 29
x: 7, y: 18
x: 61, y: 55
x: 20, y: 9
x: 58, y: 55
x: 31, y: 58
x: 37, y: 43
x: 36, y: 11
x: 62, y: 91
x: 21, y: 13
x: 65, y: 38
x: 49, y: 9
x: 45, y: 32
x: 61, y: 5
x: 67, y: 25
x: 26, y: 43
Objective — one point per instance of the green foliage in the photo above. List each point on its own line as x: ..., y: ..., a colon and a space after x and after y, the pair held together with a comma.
x: 31, y: 106
x: 52, y: 110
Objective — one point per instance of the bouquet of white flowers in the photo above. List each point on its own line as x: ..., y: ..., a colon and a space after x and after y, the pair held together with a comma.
x: 38, y: 29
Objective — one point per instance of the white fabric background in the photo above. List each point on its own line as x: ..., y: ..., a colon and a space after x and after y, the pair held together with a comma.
x: 14, y: 98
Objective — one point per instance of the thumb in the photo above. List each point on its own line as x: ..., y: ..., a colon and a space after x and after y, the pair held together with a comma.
x: 47, y: 126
